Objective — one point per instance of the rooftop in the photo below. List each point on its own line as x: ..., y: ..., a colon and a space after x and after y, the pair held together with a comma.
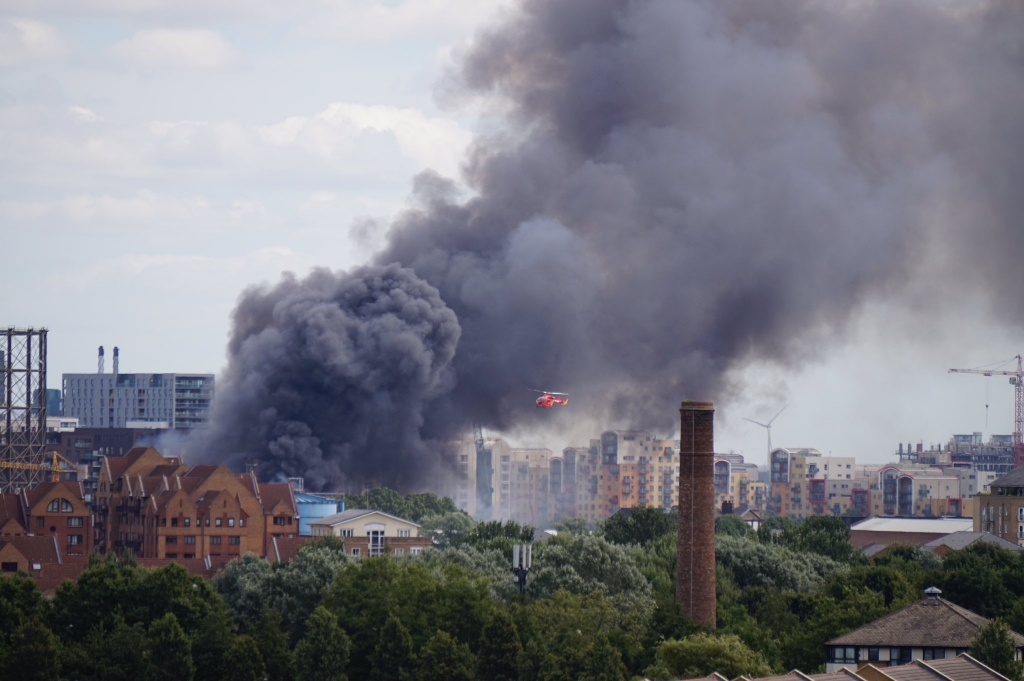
x: 961, y: 540
x: 934, y: 525
x: 931, y: 622
x: 354, y: 514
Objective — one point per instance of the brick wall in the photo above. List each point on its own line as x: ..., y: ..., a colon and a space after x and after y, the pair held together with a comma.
x: 695, y: 567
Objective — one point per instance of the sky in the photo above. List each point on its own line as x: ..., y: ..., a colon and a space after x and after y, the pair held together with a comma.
x: 159, y: 156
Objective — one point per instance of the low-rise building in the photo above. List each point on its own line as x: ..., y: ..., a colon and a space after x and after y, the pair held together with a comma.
x: 912, y: 531
x: 372, y: 533
x: 1001, y: 510
x: 930, y: 629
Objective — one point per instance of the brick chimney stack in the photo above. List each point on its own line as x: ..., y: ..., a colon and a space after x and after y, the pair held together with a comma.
x: 695, y: 558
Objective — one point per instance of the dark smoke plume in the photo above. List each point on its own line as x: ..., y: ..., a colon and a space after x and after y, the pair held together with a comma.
x: 678, y: 187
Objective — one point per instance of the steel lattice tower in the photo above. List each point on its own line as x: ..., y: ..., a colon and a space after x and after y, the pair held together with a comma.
x: 22, y: 409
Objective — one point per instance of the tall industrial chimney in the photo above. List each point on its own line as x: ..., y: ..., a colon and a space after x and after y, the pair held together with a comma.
x: 116, y: 353
x: 99, y: 362
x: 695, y: 557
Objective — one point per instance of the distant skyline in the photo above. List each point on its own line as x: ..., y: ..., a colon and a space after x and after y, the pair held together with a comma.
x: 159, y: 156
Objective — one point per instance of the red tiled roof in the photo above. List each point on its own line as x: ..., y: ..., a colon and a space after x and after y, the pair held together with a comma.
x: 119, y: 464
x: 52, y: 575
x: 207, y: 500
x: 271, y: 494
x: 284, y: 549
x: 165, y: 469
x: 37, y: 549
x: 10, y: 509
x: 201, y: 471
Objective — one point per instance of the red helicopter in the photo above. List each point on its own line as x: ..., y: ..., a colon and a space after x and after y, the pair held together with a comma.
x: 549, y: 399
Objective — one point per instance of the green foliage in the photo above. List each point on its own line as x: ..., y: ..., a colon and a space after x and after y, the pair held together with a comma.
x: 244, y: 661
x: 412, y: 507
x: 370, y: 591
x: 703, y: 653
x: 497, y: 535
x: 994, y: 646
x: 773, y: 527
x: 731, y: 525
x: 642, y: 525
x: 244, y: 583
x: 33, y: 653
x: 169, y: 651
x: 322, y: 654
x: 754, y: 564
x: 446, y: 528
x: 585, y: 564
x: 117, y: 654
x: 825, y: 535
x: 498, y: 659
x: 273, y: 645
x: 445, y: 659
x: 393, y: 659
x: 212, y: 641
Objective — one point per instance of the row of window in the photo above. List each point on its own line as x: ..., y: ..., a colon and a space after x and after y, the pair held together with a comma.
x: 187, y: 522
x: 897, y: 656
x: 352, y: 533
x: 73, y: 521
x: 415, y: 550
x: 191, y: 539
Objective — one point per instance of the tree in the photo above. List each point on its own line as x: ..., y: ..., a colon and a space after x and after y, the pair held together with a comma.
x: 212, y: 641
x: 273, y: 645
x: 994, y: 646
x: 731, y: 525
x: 498, y: 659
x: 446, y: 528
x: 322, y: 654
x: 642, y: 525
x: 825, y: 535
x: 169, y: 651
x: 243, y: 661
x: 393, y: 659
x: 33, y: 654
x: 445, y: 659
x: 119, y: 652
x: 701, y: 654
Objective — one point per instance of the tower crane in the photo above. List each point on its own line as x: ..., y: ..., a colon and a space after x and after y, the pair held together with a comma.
x: 1017, y: 381
x: 54, y: 466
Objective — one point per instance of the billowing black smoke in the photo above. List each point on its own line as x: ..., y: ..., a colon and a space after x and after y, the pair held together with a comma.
x: 677, y: 187
x: 328, y: 376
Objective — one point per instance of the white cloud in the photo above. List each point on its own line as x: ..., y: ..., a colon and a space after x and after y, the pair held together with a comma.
x: 24, y: 40
x: 142, y: 208
x: 377, y: 21
x: 83, y: 115
x: 431, y: 142
x: 24, y: 210
x: 176, y: 48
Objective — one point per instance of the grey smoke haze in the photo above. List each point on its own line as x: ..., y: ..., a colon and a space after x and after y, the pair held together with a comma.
x: 677, y: 187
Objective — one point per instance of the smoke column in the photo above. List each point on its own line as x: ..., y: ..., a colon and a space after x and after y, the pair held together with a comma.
x: 676, y: 187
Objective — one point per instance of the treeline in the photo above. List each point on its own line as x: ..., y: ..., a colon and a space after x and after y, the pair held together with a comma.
x: 599, y: 606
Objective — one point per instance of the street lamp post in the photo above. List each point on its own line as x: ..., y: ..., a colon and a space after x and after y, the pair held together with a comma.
x: 522, y: 557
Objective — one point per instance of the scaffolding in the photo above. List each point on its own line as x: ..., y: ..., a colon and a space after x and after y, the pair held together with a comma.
x: 23, y: 458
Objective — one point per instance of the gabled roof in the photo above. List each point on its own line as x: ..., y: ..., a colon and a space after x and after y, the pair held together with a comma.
x: 165, y: 469
x: 37, y: 549
x: 932, y: 622
x: 207, y: 500
x: 963, y: 668
x: 201, y: 471
x: 32, y: 496
x: 355, y: 514
x: 926, y: 525
x: 10, y: 509
x: 272, y: 494
x: 961, y: 540
x: 119, y: 464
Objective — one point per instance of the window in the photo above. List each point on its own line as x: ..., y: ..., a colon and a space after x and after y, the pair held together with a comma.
x: 75, y: 539
x: 190, y: 539
x: 219, y: 522
x: 403, y: 533
x: 231, y: 522
x: 171, y: 555
x: 174, y: 522
x: 935, y: 653
x: 279, y: 520
x: 898, y: 656
x: 215, y: 540
x: 8, y: 567
x: 207, y: 521
x: 872, y: 654
x: 843, y: 655
x: 348, y: 533
x: 170, y: 540
x: 188, y: 522
x: 40, y: 521
x: 163, y: 522
x: 415, y: 550
x: 241, y: 522
x: 355, y: 552
x: 189, y: 555
x: 399, y: 552
x: 76, y: 521
x: 234, y: 540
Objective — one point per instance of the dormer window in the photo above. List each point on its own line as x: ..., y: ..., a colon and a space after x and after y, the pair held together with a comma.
x: 59, y: 506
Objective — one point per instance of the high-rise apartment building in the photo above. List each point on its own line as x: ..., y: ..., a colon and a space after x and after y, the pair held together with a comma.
x: 176, y: 401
